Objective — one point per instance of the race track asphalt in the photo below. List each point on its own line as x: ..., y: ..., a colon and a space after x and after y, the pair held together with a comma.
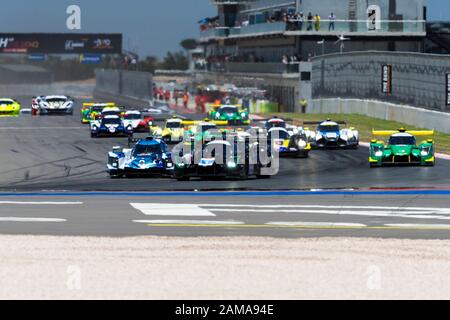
x: 51, y: 171
x: 57, y: 153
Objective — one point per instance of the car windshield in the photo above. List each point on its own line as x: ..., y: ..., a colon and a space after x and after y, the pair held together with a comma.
x: 173, y: 125
x: 280, y: 133
x: 145, y: 149
x: 133, y: 116
x: 96, y: 109
x: 333, y: 128
x: 227, y: 110
x: 404, y: 140
x: 111, y: 113
x: 203, y: 129
x: 275, y: 124
x: 111, y: 121
x: 56, y: 100
x: 7, y: 102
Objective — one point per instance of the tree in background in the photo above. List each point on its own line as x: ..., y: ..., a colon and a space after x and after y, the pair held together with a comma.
x: 175, y: 61
x: 189, y: 44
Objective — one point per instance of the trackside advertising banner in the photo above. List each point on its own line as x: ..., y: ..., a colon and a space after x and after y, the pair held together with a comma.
x: 447, y: 89
x: 386, y: 79
x: 60, y: 43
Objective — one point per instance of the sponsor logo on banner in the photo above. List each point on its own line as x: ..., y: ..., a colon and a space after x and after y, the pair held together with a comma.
x: 72, y: 45
x: 103, y: 44
x: 386, y: 79
x: 447, y: 89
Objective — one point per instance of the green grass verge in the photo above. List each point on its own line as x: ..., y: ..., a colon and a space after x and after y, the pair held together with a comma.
x: 365, y: 125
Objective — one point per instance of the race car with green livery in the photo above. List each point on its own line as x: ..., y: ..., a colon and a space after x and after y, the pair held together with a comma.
x: 231, y: 114
x: 402, y: 148
x: 90, y: 110
x: 9, y: 107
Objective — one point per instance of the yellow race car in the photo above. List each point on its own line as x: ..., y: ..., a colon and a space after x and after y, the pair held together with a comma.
x: 9, y: 107
x: 172, y: 132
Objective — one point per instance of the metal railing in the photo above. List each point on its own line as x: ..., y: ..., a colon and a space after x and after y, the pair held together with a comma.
x: 257, y: 68
x: 325, y: 27
x: 214, y: 33
x: 230, y: 2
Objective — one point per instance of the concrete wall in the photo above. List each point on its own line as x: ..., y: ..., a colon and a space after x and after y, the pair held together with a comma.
x: 418, y: 79
x: 418, y: 117
x: 127, y: 84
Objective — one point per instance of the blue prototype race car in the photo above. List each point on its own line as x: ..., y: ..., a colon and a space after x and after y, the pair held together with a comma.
x: 110, y: 126
x: 146, y: 157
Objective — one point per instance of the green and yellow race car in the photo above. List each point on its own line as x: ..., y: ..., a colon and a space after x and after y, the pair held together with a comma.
x: 9, y: 107
x: 90, y: 110
x: 402, y: 148
x: 233, y: 115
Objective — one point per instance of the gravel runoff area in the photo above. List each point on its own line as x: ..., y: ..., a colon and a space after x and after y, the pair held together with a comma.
x: 41, y: 267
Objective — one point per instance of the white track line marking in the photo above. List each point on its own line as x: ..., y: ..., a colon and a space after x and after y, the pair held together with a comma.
x: 317, y: 224
x: 163, y: 209
x: 419, y: 226
x: 195, y: 222
x: 40, y: 203
x: 414, y: 215
x: 429, y: 209
x: 16, y: 219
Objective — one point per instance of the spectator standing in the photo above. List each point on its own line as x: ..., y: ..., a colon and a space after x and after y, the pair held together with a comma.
x: 317, y: 22
x: 332, y: 19
x: 310, y: 22
x: 185, y: 99
x: 303, y: 104
x: 167, y: 95
x: 301, y: 19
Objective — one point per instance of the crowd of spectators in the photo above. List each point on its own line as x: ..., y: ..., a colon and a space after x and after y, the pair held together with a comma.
x: 295, y: 21
x: 208, y: 24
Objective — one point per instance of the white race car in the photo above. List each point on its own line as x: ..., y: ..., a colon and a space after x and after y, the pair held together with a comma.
x: 52, y: 105
x: 330, y: 134
x: 140, y: 122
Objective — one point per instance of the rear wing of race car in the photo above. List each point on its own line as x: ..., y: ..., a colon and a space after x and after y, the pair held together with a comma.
x: 91, y: 104
x: 417, y: 133
x: 197, y: 122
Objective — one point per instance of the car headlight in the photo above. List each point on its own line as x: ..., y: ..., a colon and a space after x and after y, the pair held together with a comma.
x: 243, y: 115
x: 180, y: 165
x: 231, y: 164
x: 378, y: 153
x: 169, y: 165
x: 217, y: 115
x: 301, y: 144
x: 425, y: 152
